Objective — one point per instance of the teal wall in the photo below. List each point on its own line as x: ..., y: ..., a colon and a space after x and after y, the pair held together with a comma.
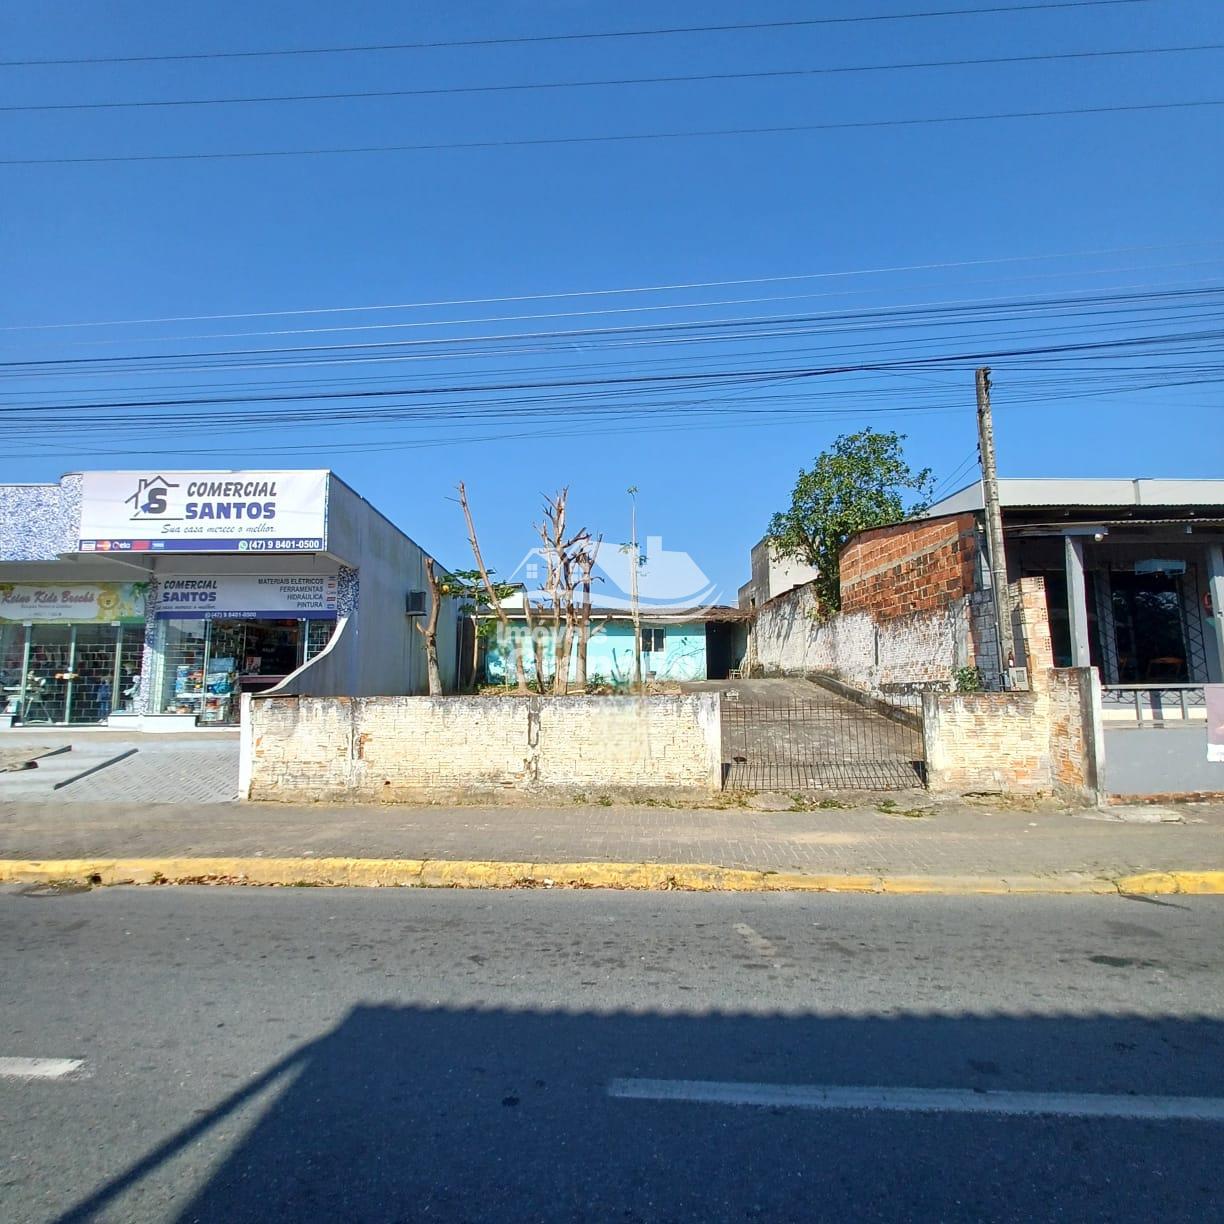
x: 610, y: 655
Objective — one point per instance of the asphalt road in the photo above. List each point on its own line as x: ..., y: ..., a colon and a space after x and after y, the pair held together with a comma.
x: 302, y: 1054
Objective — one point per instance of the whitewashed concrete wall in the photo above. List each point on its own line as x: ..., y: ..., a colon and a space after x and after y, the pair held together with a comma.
x: 877, y: 657
x: 386, y: 749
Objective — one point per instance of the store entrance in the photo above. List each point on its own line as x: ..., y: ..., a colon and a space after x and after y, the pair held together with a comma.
x: 1148, y: 617
x: 207, y: 665
x: 64, y: 673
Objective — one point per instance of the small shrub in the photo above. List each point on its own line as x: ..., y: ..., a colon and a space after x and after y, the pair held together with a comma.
x: 968, y: 680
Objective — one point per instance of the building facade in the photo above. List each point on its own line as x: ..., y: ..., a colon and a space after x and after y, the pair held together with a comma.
x: 705, y: 644
x: 156, y: 599
x: 771, y: 576
x: 1133, y: 570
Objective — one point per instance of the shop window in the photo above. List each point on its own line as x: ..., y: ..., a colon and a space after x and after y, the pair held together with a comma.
x: 271, y: 648
x: 131, y: 660
x: 48, y: 673
x: 206, y: 664
x: 182, y: 666
x: 93, y: 673
x: 12, y: 659
x: 57, y: 673
x: 318, y: 634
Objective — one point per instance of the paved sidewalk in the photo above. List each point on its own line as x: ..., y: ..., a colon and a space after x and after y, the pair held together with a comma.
x: 948, y: 839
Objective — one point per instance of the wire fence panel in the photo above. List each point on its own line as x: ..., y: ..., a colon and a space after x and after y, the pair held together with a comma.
x: 826, y: 743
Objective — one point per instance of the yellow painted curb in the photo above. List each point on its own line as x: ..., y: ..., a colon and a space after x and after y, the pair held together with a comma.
x: 464, y: 873
x: 1196, y: 883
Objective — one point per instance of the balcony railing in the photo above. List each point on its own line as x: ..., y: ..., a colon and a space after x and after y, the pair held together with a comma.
x: 1153, y: 705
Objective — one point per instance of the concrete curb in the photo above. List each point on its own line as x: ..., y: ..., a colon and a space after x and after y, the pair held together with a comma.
x: 464, y: 873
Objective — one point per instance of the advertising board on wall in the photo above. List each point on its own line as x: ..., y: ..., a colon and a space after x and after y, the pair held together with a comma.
x: 174, y: 512
x: 1215, y: 722
x: 71, y: 602
x: 247, y: 597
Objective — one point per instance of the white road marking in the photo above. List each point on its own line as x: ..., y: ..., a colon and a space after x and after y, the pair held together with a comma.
x: 923, y: 1100
x: 758, y: 943
x: 39, y: 1068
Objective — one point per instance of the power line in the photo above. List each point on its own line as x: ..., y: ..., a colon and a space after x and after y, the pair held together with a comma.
x: 666, y: 288
x: 617, y: 139
x: 634, y: 383
x: 1129, y: 297
x: 577, y: 37
x: 772, y: 73
x: 416, y: 324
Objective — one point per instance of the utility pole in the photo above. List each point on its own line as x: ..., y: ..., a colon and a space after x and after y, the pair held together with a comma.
x: 634, y: 607
x: 994, y: 524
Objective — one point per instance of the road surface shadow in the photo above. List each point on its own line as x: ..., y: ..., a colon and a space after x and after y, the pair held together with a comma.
x: 408, y: 1113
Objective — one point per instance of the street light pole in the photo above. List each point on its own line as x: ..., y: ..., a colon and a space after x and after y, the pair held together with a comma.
x: 635, y: 609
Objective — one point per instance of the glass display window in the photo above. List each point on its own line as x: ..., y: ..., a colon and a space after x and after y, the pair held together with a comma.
x: 206, y: 664
x: 69, y: 673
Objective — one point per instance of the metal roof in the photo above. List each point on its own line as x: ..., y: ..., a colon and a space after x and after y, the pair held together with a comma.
x: 1017, y: 492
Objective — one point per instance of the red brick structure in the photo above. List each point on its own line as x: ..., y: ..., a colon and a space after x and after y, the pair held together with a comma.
x: 917, y: 566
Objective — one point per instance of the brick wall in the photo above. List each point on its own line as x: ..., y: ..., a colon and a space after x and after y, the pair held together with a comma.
x: 1035, y: 742
x: 384, y: 749
x: 1076, y: 746
x: 879, y: 657
x: 909, y: 567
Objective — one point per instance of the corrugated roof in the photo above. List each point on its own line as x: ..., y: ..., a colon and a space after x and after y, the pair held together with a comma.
x: 1022, y: 491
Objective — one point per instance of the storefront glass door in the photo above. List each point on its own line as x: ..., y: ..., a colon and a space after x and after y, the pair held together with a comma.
x: 12, y: 668
x: 91, y: 695
x: 48, y: 677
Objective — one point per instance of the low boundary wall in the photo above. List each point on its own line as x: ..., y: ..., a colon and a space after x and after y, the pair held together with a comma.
x: 1046, y: 739
x: 388, y: 749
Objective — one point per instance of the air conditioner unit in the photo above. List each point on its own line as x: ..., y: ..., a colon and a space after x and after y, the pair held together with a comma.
x: 414, y: 604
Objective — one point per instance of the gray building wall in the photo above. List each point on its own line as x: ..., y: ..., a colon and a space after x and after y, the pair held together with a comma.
x: 1169, y: 760
x: 385, y: 654
x: 771, y: 576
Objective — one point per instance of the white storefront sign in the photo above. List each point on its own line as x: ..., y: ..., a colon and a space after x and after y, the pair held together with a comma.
x: 247, y: 596
x: 171, y: 512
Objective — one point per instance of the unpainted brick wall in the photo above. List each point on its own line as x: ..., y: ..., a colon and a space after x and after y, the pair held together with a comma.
x: 387, y: 748
x: 1034, y: 742
x: 1074, y: 727
x: 917, y: 566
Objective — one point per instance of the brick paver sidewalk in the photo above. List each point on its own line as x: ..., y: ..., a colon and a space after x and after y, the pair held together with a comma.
x: 947, y: 839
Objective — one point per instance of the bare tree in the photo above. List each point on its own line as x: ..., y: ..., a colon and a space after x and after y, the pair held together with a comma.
x: 520, y: 673
x: 561, y: 554
x: 429, y: 631
x: 584, y: 560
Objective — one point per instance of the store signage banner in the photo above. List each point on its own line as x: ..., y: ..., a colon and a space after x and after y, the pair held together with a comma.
x: 79, y: 602
x: 1215, y: 722
x: 175, y: 512
x: 247, y: 597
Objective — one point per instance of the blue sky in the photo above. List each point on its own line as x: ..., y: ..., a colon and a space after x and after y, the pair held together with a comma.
x: 1018, y: 205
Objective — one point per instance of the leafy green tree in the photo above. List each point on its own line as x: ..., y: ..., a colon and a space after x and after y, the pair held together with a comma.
x: 468, y: 587
x: 857, y: 483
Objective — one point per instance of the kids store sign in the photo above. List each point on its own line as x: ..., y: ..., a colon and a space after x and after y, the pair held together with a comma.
x: 174, y: 512
x: 74, y: 602
x: 247, y: 597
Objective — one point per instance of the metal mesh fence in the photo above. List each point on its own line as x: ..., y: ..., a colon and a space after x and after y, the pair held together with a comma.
x: 828, y: 742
